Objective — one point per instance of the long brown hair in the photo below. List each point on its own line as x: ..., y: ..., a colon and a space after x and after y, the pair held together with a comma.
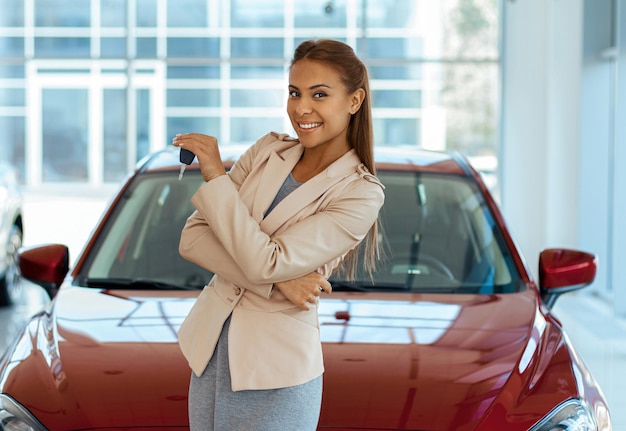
x: 353, y: 73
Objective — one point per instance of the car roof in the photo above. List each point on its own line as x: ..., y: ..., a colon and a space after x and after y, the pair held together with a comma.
x: 400, y: 158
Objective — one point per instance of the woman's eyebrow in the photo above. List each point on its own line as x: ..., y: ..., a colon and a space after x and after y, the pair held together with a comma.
x: 312, y: 87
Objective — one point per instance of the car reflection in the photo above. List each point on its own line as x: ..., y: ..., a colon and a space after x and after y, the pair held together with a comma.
x: 121, y: 316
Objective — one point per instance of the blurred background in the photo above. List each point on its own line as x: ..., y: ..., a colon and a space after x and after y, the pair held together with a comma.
x: 101, y: 83
x: 530, y: 90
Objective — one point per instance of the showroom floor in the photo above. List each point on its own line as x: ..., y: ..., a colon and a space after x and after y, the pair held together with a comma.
x: 68, y: 218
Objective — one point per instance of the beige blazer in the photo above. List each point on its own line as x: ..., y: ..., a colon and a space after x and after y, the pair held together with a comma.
x: 272, y: 343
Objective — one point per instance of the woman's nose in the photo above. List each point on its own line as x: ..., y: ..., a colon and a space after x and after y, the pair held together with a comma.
x: 303, y: 107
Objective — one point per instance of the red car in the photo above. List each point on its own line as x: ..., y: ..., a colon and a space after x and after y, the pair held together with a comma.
x: 453, y: 333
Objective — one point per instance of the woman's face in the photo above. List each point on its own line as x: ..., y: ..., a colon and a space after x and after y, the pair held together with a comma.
x: 319, y: 105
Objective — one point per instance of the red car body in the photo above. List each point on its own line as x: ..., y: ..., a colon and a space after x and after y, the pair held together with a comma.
x: 103, y: 358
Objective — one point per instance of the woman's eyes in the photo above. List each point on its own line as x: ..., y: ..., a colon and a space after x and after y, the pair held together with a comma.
x: 316, y: 95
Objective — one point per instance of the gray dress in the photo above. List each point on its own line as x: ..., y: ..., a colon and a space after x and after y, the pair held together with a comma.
x: 213, y: 406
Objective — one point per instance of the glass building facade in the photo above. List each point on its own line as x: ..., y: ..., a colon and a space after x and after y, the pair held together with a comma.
x: 88, y: 87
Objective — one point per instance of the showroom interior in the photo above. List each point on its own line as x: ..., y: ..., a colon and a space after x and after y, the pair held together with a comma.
x: 551, y: 75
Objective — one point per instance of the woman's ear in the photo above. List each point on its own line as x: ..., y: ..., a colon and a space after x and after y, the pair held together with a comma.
x: 357, y: 100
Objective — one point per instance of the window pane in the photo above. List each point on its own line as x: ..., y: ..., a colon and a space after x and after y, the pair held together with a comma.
x: 319, y: 14
x: 146, y: 47
x: 187, y: 13
x: 12, y: 146
x: 454, y: 28
x: 408, y: 71
x: 391, y: 132
x: 62, y: 13
x: 247, y: 130
x: 113, y: 13
x: 146, y: 13
x: 254, y: 13
x: 12, y: 13
x: 469, y: 96
x: 64, y: 135
x: 11, y: 71
x: 144, y: 125
x: 257, y: 47
x: 208, y: 126
x: 258, y: 98
x: 396, y: 98
x: 391, y: 13
x: 113, y: 47
x: 193, y: 72
x: 11, y: 46
x: 193, y: 97
x: 64, y: 47
x: 471, y: 29
x: 12, y: 97
x: 115, y: 156
x: 398, y: 48
x: 193, y: 47
x: 257, y: 72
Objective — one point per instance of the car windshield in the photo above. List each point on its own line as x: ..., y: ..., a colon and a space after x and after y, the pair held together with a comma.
x: 437, y: 235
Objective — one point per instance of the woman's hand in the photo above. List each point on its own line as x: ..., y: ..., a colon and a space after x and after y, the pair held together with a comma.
x: 206, y: 150
x: 304, y: 290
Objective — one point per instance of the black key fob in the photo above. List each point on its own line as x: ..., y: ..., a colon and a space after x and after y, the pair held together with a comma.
x: 186, y: 156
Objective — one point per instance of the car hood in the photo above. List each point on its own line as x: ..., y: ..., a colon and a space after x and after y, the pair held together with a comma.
x: 439, y: 362
x: 104, y: 359
x: 109, y: 359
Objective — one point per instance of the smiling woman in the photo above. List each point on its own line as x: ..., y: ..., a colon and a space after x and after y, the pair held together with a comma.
x: 273, y: 230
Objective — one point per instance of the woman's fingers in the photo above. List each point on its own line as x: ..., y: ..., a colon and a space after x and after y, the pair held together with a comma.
x: 206, y: 150
x: 304, y: 290
x: 325, y: 286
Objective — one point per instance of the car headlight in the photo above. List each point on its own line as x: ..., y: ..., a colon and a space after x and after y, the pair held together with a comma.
x: 572, y: 415
x: 14, y: 417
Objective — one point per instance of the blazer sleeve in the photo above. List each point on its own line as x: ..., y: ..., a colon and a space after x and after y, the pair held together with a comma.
x: 207, y: 251
x: 240, y: 170
x: 295, y: 251
x: 205, y: 248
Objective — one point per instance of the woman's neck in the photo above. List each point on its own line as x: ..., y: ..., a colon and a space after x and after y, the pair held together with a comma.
x: 314, y: 161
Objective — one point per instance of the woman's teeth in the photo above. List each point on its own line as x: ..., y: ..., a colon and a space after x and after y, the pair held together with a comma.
x: 310, y: 125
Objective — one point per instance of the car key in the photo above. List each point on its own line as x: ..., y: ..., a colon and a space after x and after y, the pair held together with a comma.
x: 186, y: 157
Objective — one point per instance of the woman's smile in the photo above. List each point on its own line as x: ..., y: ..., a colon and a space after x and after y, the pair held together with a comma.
x: 309, y: 126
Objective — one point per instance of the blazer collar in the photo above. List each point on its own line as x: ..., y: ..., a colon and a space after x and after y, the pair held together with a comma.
x: 277, y: 169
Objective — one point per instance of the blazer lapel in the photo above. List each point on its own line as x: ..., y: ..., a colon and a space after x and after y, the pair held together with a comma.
x: 274, y: 174
x: 309, y: 191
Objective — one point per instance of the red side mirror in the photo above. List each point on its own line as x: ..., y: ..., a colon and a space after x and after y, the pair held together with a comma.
x: 45, y: 265
x: 563, y: 270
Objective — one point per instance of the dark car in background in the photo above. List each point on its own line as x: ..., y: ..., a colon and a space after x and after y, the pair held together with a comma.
x: 453, y: 332
x: 11, y: 234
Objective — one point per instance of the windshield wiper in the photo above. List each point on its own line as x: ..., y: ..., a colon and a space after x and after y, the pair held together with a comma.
x: 346, y: 286
x: 356, y: 286
x: 133, y: 283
